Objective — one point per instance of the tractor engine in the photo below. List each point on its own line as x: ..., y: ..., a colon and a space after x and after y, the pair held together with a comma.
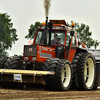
x: 34, y: 56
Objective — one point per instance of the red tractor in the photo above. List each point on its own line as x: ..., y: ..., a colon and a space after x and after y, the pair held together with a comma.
x: 54, y: 59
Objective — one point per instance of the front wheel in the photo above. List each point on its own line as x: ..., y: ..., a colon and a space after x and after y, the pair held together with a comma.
x: 63, y: 74
x: 66, y: 75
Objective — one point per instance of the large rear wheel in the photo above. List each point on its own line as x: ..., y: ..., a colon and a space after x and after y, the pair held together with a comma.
x: 86, y: 71
x: 63, y: 74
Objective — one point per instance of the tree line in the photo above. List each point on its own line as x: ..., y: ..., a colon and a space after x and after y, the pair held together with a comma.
x: 8, y: 35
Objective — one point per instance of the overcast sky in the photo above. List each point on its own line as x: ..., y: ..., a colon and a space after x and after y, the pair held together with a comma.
x: 26, y: 12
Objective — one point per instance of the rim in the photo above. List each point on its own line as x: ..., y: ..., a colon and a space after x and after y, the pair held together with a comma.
x: 66, y: 75
x: 89, y: 72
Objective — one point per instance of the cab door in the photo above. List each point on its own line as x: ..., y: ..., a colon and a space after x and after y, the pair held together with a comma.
x: 71, y: 46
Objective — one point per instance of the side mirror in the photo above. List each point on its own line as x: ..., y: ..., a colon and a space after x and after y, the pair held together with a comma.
x: 79, y: 43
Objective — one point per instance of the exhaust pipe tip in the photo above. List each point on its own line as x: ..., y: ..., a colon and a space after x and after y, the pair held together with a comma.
x: 47, y: 18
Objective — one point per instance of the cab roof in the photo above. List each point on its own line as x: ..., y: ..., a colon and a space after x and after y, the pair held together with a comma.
x: 58, y: 22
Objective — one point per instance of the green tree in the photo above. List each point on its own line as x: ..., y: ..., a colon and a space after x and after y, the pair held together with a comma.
x: 84, y: 35
x: 3, y: 53
x: 32, y: 30
x: 96, y: 43
x: 8, y: 34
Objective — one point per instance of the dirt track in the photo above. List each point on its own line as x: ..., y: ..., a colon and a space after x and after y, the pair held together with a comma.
x: 42, y: 94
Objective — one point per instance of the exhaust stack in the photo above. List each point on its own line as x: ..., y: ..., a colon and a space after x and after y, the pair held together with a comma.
x: 50, y: 30
x: 45, y: 32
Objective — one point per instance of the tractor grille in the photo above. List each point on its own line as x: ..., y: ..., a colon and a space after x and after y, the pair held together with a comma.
x: 30, y: 50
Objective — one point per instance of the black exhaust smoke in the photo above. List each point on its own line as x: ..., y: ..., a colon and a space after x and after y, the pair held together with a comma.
x: 47, y: 6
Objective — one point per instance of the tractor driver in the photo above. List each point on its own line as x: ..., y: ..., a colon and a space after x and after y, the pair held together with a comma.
x: 55, y: 40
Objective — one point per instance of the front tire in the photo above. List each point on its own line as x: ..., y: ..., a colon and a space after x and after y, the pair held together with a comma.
x: 63, y: 74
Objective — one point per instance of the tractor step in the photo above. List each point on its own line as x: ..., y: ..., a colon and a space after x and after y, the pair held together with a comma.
x: 24, y: 76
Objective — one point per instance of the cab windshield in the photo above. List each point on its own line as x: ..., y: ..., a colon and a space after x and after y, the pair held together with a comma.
x: 57, y: 37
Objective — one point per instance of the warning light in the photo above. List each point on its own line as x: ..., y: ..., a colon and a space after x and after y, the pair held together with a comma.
x: 72, y: 25
x: 43, y: 23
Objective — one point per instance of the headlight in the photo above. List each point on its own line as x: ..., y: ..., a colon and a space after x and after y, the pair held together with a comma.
x: 25, y: 58
x: 33, y: 58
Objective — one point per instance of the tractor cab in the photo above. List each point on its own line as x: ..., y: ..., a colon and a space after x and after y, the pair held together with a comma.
x: 53, y: 39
